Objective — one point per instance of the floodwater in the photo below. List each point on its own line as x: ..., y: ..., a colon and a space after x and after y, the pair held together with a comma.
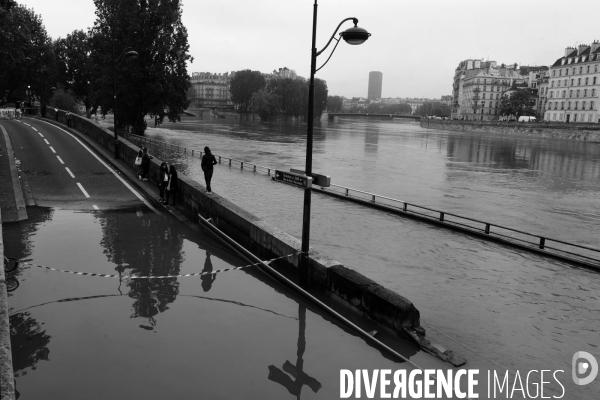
x: 235, y: 334
x: 498, y: 306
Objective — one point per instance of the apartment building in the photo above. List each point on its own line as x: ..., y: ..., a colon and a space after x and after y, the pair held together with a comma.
x: 574, y: 85
x: 211, y: 90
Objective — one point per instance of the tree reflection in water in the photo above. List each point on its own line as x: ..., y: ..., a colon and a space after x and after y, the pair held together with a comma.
x: 147, y: 245
x: 29, y: 342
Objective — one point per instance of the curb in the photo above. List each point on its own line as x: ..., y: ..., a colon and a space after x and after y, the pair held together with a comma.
x: 19, y: 200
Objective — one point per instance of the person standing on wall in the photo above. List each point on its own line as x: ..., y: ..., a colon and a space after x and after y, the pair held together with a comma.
x: 163, y: 181
x: 208, y: 160
x: 171, y: 185
x: 145, y: 164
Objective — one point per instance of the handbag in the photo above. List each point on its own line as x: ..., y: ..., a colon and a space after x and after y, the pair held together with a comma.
x: 138, y: 160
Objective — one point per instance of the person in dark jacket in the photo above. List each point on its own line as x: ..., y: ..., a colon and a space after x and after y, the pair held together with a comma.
x: 145, y: 163
x: 139, y: 167
x: 208, y: 160
x: 171, y: 185
x: 163, y: 180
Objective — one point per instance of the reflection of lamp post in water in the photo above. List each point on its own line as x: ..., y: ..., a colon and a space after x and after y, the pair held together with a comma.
x: 300, y: 377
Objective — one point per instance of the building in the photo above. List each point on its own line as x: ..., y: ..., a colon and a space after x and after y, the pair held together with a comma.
x: 542, y: 85
x: 375, y: 84
x: 211, y: 90
x: 574, y: 85
x: 479, y: 85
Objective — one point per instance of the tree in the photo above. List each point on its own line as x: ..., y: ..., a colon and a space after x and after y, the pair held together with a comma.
x: 334, y: 103
x: 265, y: 103
x: 75, y: 68
x: 518, y: 103
x: 156, y: 83
x: 63, y: 100
x: 243, y: 85
x: 321, y: 93
x: 25, y: 52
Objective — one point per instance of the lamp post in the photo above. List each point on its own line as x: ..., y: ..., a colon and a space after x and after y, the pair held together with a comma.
x: 127, y: 53
x: 353, y: 36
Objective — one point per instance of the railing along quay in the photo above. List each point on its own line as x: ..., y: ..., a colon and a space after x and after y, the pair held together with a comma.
x: 494, y: 232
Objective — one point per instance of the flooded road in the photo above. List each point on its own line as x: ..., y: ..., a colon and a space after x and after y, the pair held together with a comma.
x: 502, y: 307
x: 236, y: 334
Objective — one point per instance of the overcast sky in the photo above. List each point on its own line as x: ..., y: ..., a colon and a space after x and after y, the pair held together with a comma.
x: 415, y: 44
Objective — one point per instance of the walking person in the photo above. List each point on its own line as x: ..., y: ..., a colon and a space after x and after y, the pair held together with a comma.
x: 138, y: 164
x: 145, y: 163
x: 208, y: 160
x: 163, y: 180
x: 171, y: 185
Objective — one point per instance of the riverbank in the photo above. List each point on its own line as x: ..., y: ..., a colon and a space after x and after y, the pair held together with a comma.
x: 578, y: 132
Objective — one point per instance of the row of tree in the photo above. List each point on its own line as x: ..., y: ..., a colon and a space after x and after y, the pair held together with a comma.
x: 250, y: 91
x: 155, y: 82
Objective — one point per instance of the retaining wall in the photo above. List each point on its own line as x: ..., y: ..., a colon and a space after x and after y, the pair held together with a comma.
x: 7, y: 387
x: 580, y: 132
x: 359, y: 293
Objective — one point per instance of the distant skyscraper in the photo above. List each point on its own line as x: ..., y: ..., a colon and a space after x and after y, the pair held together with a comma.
x: 375, y: 81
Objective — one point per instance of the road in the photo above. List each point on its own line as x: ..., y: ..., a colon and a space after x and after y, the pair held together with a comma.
x: 237, y: 334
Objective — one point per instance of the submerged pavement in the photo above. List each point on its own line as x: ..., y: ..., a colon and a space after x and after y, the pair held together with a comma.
x: 236, y: 334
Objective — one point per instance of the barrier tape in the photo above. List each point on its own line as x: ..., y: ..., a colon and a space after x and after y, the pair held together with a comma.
x: 126, y: 276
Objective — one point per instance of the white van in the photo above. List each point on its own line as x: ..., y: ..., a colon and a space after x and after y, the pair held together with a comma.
x: 524, y: 118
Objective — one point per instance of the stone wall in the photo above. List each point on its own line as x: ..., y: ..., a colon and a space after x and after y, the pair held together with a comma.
x: 581, y: 132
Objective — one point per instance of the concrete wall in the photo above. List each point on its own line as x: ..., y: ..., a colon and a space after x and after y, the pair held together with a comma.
x: 581, y: 132
x: 7, y: 388
x: 357, y: 292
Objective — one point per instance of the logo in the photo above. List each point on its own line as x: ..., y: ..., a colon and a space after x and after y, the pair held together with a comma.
x: 583, y: 363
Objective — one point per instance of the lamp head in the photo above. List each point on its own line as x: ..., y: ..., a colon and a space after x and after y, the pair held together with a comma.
x: 131, y: 55
x: 355, y: 35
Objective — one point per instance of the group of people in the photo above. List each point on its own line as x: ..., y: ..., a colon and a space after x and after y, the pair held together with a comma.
x: 167, y: 174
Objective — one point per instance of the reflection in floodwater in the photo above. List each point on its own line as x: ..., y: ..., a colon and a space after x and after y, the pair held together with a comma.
x: 207, y: 280
x: 294, y: 386
x: 147, y: 245
x: 29, y: 342
x: 371, y: 140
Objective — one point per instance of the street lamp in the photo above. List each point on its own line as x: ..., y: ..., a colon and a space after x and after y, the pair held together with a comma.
x: 127, y: 53
x: 353, y: 36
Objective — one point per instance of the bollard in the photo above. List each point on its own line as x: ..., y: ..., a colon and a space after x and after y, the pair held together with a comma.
x: 487, y: 228
x: 269, y: 171
x: 242, y: 165
x: 255, y: 168
x: 372, y: 198
x: 346, y: 191
x: 442, y: 216
x: 230, y: 162
x: 405, y: 207
x: 192, y: 152
x: 542, y: 242
x: 219, y: 159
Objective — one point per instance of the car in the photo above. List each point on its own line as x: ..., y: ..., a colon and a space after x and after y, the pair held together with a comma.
x: 526, y: 118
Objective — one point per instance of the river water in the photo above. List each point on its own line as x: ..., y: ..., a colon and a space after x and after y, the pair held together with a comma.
x: 498, y: 306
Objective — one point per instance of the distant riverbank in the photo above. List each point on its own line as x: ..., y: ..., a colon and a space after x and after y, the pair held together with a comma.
x: 579, y: 132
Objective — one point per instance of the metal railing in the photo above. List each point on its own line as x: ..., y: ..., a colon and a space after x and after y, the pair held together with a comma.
x: 473, y: 225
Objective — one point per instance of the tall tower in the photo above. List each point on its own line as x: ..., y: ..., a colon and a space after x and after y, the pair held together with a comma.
x: 375, y: 81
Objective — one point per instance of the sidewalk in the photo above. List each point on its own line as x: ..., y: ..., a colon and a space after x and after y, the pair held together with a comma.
x: 12, y: 202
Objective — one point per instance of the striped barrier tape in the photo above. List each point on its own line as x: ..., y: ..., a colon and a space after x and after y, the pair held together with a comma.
x: 146, y: 277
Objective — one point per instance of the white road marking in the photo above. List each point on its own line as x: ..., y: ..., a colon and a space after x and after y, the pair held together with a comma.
x: 40, y: 134
x: 83, y: 190
x: 95, y: 207
x: 34, y: 129
x: 46, y: 140
x: 26, y: 123
x: 127, y: 185
x: 70, y: 173
x: 52, y: 148
x: 60, y: 159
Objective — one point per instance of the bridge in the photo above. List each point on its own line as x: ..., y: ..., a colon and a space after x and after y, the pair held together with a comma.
x: 331, y: 116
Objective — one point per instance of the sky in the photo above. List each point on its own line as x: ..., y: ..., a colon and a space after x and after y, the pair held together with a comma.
x: 416, y: 44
